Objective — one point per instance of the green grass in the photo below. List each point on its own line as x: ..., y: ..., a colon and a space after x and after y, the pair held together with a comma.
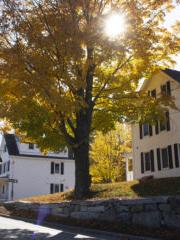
x: 134, y: 189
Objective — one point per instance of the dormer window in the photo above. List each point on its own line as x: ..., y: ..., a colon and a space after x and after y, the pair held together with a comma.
x: 31, y: 146
x: 166, y: 89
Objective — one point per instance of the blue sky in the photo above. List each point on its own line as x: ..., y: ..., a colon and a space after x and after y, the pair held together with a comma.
x: 171, y: 18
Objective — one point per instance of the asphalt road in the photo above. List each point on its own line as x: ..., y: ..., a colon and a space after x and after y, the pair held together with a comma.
x: 22, y: 230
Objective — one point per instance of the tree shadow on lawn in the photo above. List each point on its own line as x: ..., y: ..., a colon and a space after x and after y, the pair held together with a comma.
x: 23, y: 234
x: 157, y: 187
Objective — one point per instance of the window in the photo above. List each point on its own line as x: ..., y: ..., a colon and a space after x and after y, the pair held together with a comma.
x: 55, y: 188
x: 166, y: 89
x: 145, y: 129
x: 152, y: 93
x: 0, y: 169
x: 31, y: 145
x: 164, y: 158
x: 163, y: 124
x: 147, y: 161
x: 56, y: 167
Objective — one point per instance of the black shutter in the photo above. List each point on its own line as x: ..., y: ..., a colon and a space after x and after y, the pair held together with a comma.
x: 142, y: 163
x: 168, y: 88
x: 140, y: 131
x: 152, y: 160
x: 51, y: 188
x: 167, y: 121
x: 176, y: 155
x: 170, y: 156
x: 62, y: 168
x: 158, y: 159
x: 150, y: 130
x: 61, y: 187
x: 157, y: 127
x: 52, y: 167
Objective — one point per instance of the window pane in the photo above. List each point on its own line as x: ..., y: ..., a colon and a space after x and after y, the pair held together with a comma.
x: 146, y: 129
x: 147, y: 162
x: 153, y: 93
x: 56, y: 188
x: 162, y: 125
x: 164, y: 89
x: 165, y: 158
x: 56, y: 168
x: 31, y: 146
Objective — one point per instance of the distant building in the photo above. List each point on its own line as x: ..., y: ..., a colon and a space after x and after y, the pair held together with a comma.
x: 156, y: 149
x: 36, y: 174
x: 129, y: 166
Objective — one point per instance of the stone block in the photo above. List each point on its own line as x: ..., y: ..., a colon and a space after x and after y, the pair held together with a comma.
x: 137, y: 208
x: 83, y: 208
x: 172, y: 220
x: 108, y: 215
x: 84, y: 215
x: 175, y: 204
x: 150, y: 207
x: 124, y: 218
x: 147, y: 219
x: 122, y: 209
x: 96, y: 209
x: 165, y: 207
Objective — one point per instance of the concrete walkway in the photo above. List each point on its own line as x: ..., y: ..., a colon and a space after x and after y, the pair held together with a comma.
x: 24, y: 230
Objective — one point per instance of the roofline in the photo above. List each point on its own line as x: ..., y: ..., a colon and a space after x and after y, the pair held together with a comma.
x: 156, y: 72
x: 39, y: 156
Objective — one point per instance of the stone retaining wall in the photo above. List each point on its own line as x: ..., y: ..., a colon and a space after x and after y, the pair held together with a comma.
x: 148, y: 212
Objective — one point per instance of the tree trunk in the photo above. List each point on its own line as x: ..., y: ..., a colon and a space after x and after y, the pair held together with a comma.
x: 82, y: 177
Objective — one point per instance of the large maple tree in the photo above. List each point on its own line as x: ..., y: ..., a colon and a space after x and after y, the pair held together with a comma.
x: 62, y: 76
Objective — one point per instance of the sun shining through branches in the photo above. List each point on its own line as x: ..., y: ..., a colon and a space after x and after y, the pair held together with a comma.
x: 115, y: 25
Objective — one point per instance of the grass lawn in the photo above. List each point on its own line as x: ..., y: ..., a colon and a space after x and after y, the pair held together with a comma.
x: 134, y: 189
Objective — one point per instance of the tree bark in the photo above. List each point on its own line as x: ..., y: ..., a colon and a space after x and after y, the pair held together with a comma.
x: 81, y: 153
x: 82, y: 177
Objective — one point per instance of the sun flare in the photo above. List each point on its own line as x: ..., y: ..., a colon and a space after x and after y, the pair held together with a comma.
x: 114, y: 25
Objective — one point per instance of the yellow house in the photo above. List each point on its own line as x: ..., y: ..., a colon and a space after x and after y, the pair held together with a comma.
x: 156, y: 149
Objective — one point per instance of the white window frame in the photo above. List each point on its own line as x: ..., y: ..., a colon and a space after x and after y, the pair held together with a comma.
x: 59, y: 187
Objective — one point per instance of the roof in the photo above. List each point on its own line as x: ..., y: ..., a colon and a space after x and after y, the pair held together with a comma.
x: 13, y: 150
x: 173, y: 74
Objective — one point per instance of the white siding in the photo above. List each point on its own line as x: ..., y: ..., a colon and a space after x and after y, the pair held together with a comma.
x: 34, y: 176
x: 161, y: 140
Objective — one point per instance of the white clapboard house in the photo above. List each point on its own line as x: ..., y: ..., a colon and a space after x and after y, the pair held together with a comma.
x: 156, y: 149
x: 25, y: 171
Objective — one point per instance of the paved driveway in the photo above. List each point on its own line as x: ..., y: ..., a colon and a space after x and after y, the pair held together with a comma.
x: 21, y: 230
